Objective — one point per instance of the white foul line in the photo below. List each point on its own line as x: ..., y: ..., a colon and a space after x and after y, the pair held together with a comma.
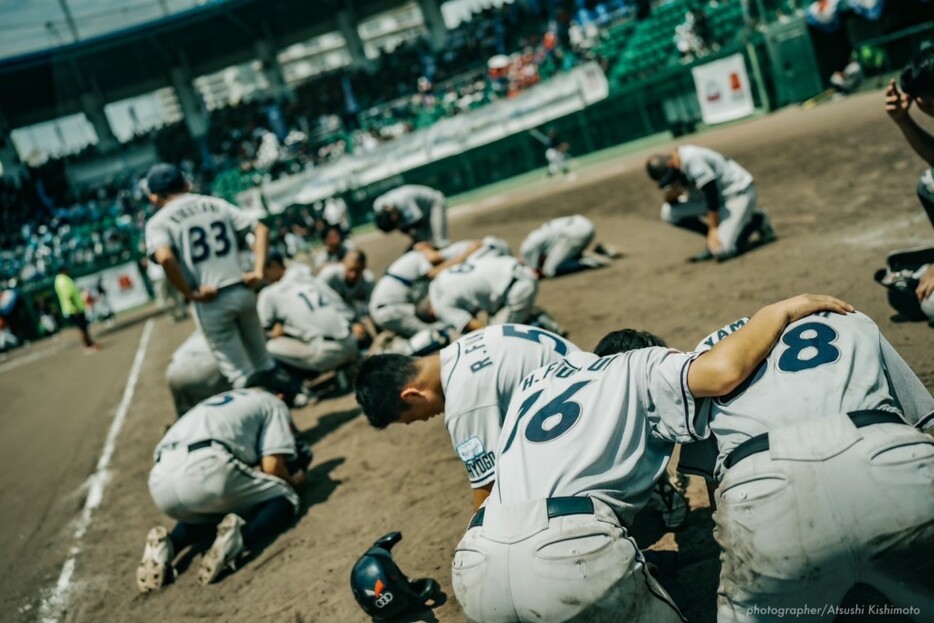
x: 53, y: 605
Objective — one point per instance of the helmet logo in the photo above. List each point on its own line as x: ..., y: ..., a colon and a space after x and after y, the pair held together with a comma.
x: 384, y: 600
x: 378, y: 589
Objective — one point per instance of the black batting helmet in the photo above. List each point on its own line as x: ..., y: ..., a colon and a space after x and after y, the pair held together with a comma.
x: 380, y: 587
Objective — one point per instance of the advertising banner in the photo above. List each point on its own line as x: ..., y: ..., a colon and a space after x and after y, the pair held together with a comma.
x: 122, y: 283
x: 723, y: 90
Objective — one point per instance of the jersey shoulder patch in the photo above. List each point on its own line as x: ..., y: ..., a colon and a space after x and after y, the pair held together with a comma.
x: 470, y: 449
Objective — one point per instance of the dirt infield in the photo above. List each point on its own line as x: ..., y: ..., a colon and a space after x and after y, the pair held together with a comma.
x: 839, y: 184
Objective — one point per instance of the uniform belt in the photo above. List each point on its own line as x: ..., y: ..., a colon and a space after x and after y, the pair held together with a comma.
x: 236, y: 284
x: 760, y: 443
x: 200, y: 445
x: 557, y: 507
x: 408, y: 283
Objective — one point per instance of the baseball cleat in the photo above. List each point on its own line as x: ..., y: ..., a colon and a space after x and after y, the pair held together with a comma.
x: 705, y: 256
x: 225, y: 550
x: 767, y: 233
x: 593, y: 262
x: 670, y: 503
x: 155, y: 570
x: 607, y: 251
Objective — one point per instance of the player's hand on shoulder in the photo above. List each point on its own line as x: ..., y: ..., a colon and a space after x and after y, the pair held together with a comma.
x: 252, y: 279
x: 897, y: 104
x: 803, y: 305
x: 204, y: 294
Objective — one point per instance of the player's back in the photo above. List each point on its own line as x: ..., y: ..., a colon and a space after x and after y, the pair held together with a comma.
x: 479, y: 374
x: 475, y: 285
x: 400, y: 278
x: 704, y: 165
x: 486, y: 366
x: 237, y: 418
x: 203, y: 232
x: 823, y: 365
x: 305, y: 305
x: 583, y: 426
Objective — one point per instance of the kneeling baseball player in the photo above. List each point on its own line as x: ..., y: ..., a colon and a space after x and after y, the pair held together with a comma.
x: 583, y: 442
x: 227, y: 472
x: 192, y: 374
x: 557, y: 247
x: 826, y: 479
x: 471, y: 382
x: 701, y: 182
x: 309, y: 326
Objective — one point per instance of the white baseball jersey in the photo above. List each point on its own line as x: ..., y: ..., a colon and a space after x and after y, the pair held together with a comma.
x: 822, y: 366
x: 395, y: 287
x: 335, y: 213
x: 702, y: 166
x: 491, y: 247
x: 479, y: 373
x: 459, y: 292
x: 306, y: 307
x: 202, y: 232
x: 540, y: 243
x: 602, y: 427
x: 356, y: 295
x: 252, y: 423
x: 422, y: 211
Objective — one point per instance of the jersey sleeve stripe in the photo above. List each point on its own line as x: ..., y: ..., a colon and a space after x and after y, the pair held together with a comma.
x: 457, y: 358
x: 690, y: 408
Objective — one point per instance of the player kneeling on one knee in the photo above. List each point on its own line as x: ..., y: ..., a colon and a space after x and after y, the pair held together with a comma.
x: 698, y: 181
x: 583, y: 442
x: 826, y: 479
x: 227, y: 472
x: 471, y: 382
x: 918, y: 88
x: 309, y: 326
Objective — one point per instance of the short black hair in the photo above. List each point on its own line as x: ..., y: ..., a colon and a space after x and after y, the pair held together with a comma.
x: 918, y: 76
x: 274, y: 257
x: 379, y: 384
x: 276, y: 381
x: 386, y: 221
x: 329, y: 228
x: 361, y: 256
x: 625, y: 340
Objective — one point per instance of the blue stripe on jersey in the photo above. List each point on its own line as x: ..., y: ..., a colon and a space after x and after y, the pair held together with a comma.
x: 684, y: 397
x: 454, y: 365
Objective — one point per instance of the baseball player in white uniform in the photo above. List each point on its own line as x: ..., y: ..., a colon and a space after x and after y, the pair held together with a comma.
x: 417, y: 211
x: 194, y: 238
x: 309, y: 325
x: 826, y: 479
x: 335, y: 213
x: 392, y: 305
x: 557, y: 247
x: 192, y: 374
x: 352, y: 280
x: 698, y: 181
x: 471, y: 382
x: 225, y: 471
x: 917, y: 80
x: 334, y: 247
x: 583, y: 442
x: 501, y: 286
